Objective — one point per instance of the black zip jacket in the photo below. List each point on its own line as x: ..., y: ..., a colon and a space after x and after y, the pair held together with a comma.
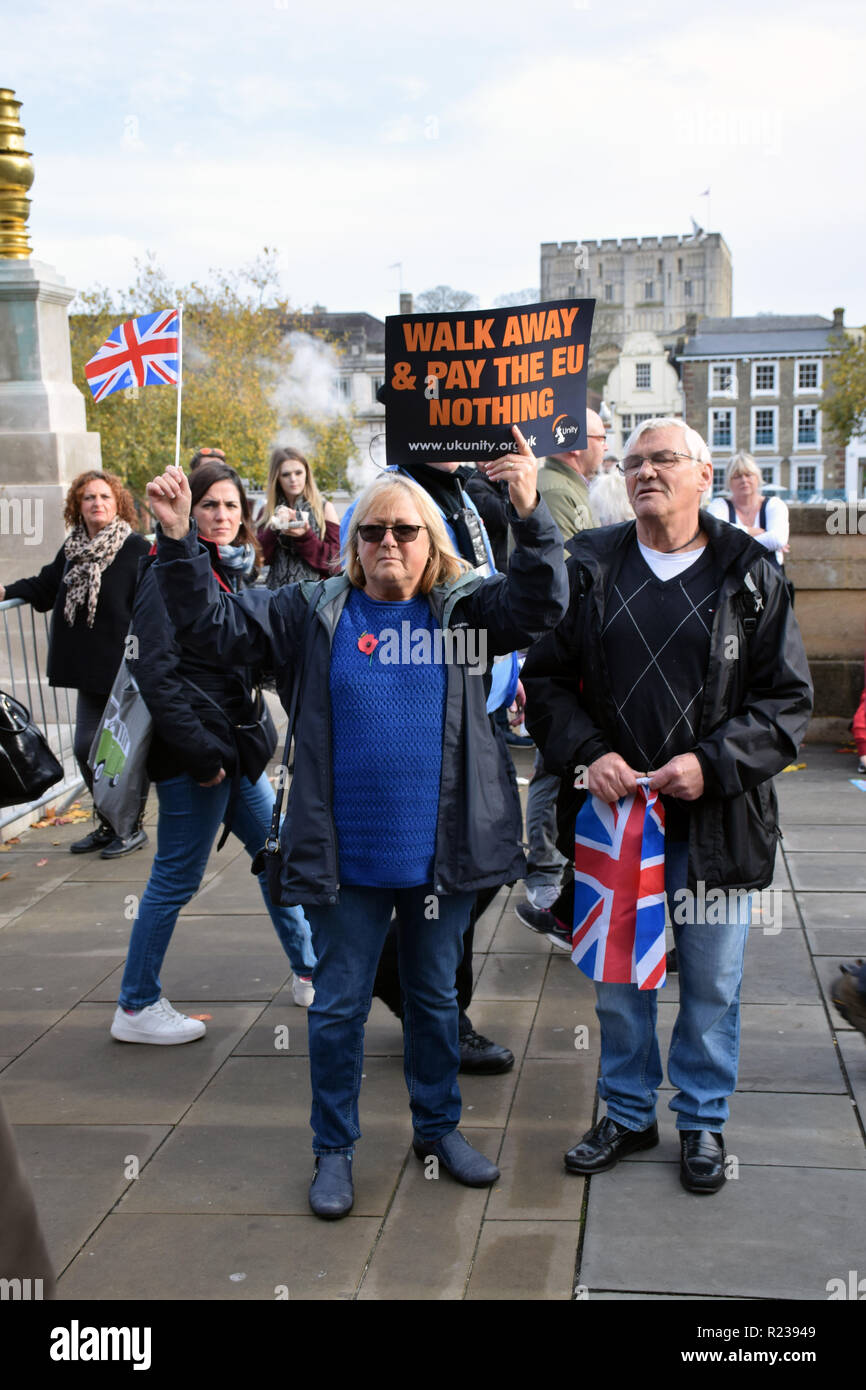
x: 757, y: 699
x: 82, y: 657
x: 479, y: 830
x: 189, y: 734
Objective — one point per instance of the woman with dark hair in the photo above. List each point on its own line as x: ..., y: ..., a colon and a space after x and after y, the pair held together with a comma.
x: 208, y: 759
x: 300, y: 537
x: 90, y: 585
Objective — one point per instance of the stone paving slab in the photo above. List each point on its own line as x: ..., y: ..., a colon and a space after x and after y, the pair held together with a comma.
x: 35, y: 995
x: 552, y: 1107
x: 428, y: 1239
x: 832, y: 839
x: 240, y: 958
x: 78, y: 1074
x: 29, y: 881
x: 774, y: 1233
x: 524, y: 1260
x: 510, y: 977
x: 828, y: 873
x: 93, y: 1161
x: 263, y: 1168
x: 233, y: 890
x: 196, y: 1257
x: 566, y: 1015
x: 853, y: 1049
x: 513, y: 936
x: 96, y: 905
x: 835, y: 923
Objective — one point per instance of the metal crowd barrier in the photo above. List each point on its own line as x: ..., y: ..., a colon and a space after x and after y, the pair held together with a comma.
x: 23, y: 651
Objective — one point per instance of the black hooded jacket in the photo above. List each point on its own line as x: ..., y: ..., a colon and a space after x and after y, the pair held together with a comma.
x: 194, y: 702
x: 756, y: 706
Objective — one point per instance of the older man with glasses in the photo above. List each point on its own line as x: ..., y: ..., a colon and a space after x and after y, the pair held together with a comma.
x: 679, y: 662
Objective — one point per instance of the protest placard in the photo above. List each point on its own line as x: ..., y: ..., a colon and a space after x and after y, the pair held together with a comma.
x: 456, y: 383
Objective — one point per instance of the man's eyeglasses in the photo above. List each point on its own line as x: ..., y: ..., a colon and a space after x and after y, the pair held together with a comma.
x: 403, y: 533
x: 666, y: 458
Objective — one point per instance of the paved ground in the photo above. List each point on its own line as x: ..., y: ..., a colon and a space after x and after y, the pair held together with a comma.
x: 166, y: 1173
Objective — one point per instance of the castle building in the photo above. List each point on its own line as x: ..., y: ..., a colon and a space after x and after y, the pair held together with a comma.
x: 648, y: 284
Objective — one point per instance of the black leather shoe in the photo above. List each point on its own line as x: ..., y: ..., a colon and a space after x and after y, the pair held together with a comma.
x: 602, y: 1147
x: 702, y: 1160
x: 480, y: 1055
x: 99, y: 838
x: 119, y: 847
x: 331, y: 1191
x: 458, y: 1158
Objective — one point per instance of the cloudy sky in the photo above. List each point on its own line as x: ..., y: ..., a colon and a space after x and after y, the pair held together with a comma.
x: 453, y: 136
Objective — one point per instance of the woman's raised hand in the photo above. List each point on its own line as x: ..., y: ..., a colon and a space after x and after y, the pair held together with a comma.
x: 520, y: 472
x: 170, y: 501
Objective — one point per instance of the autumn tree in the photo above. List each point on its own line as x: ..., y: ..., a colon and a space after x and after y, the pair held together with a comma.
x: 235, y: 350
x: 844, y: 403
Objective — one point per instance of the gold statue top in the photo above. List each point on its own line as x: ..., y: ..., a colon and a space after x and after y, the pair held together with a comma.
x: 16, y: 176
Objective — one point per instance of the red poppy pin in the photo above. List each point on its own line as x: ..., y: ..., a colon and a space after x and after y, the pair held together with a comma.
x: 367, y: 644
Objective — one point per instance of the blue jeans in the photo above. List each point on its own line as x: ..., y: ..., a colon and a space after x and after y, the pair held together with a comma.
x: 189, y: 818
x: 348, y: 939
x: 705, y: 1045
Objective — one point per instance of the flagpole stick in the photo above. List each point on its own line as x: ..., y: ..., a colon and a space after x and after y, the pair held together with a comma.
x: 179, y: 382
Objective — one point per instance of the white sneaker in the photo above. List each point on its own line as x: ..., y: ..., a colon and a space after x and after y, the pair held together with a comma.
x: 302, y: 990
x: 158, y: 1023
x: 543, y: 898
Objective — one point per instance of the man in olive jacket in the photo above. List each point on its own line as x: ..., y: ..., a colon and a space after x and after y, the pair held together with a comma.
x: 679, y: 659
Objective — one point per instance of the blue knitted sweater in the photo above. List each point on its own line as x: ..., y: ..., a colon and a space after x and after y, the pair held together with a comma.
x: 386, y: 721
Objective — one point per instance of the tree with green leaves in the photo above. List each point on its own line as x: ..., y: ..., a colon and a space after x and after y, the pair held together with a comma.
x: 844, y: 403
x: 235, y: 352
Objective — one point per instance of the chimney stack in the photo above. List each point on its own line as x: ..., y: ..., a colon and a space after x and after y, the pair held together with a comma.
x: 406, y: 305
x: 838, y: 316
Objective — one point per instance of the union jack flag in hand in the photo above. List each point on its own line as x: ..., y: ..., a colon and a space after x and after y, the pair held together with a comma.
x: 619, y: 890
x: 140, y: 352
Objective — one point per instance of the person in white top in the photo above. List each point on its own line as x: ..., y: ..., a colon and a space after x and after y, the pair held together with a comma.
x: 765, y: 518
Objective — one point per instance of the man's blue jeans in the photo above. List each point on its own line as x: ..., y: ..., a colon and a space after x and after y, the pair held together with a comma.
x: 348, y: 939
x: 705, y: 1045
x: 189, y: 818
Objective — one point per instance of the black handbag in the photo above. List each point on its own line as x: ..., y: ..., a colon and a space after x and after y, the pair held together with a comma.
x: 27, y: 765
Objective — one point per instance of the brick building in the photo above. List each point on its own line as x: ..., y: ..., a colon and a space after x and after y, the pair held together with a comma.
x: 756, y: 385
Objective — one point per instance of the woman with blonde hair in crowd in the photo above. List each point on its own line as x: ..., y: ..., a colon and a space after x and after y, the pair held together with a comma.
x: 765, y: 518
x: 400, y: 797
x: 300, y: 537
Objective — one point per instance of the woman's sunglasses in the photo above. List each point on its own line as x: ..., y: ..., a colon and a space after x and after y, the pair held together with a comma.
x: 403, y: 533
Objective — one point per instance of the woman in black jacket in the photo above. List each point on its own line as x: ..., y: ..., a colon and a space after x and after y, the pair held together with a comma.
x: 90, y: 584
x: 208, y: 755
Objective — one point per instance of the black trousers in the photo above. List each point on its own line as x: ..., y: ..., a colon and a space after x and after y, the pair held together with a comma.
x: 387, y: 986
x: 88, y: 713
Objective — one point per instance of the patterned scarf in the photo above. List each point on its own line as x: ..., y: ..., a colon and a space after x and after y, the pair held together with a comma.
x: 87, y: 560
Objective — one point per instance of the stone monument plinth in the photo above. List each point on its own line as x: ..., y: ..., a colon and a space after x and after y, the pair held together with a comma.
x: 44, y: 440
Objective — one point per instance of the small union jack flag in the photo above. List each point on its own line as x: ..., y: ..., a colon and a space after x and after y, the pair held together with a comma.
x: 140, y: 352
x: 619, y: 890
